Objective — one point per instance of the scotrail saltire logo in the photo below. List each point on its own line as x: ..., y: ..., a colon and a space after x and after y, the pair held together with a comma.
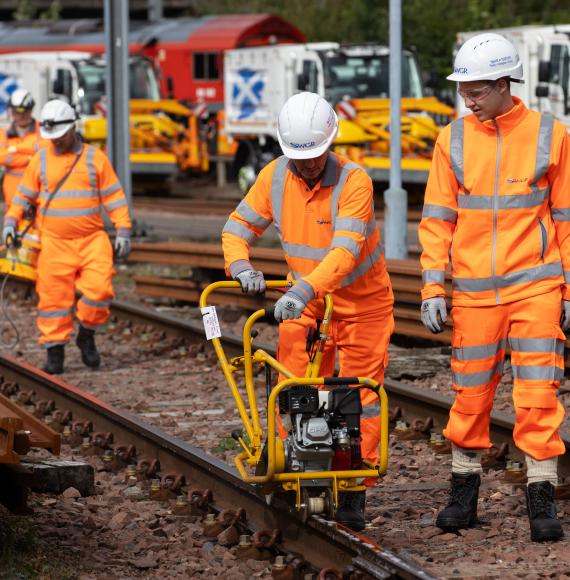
x: 247, y: 91
x: 8, y: 85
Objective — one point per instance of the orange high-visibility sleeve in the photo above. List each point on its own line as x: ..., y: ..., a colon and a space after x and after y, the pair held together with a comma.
x: 246, y: 223
x: 438, y: 219
x: 28, y: 191
x: 112, y: 195
x: 355, y: 204
x: 559, y: 180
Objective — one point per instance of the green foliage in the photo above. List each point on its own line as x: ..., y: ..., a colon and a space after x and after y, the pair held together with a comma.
x: 429, y: 26
x: 53, y: 12
x: 26, y: 10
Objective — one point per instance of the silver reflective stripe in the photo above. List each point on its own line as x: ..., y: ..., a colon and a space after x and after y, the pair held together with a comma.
x: 348, y: 244
x: 43, y: 169
x: 560, y: 214
x: 233, y: 227
x: 537, y: 345
x: 124, y: 232
x: 238, y: 267
x: 543, y: 146
x: 9, y: 221
x: 433, y: 276
x: 95, y: 303
x: 14, y: 172
x: 479, y: 378
x: 72, y: 212
x: 479, y: 352
x: 19, y: 200
x: 27, y: 191
x: 537, y: 373
x: 115, y: 204
x: 504, y: 201
x: 246, y: 212
x: 567, y: 276
x: 111, y: 189
x: 369, y: 411
x: 56, y: 343
x: 530, y: 275
x: 303, y: 290
x: 363, y: 267
x: 70, y: 194
x: 439, y: 212
x: 456, y: 149
x: 277, y: 189
x: 352, y: 225
x: 303, y: 251
x: 54, y: 313
x: 335, y: 195
x: 90, y: 160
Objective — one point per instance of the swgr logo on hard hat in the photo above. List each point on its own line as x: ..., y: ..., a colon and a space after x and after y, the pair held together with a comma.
x: 302, y: 145
x: 462, y: 70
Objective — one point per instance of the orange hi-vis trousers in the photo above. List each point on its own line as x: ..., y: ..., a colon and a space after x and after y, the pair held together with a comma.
x: 362, y: 347
x: 64, y: 266
x: 531, y: 327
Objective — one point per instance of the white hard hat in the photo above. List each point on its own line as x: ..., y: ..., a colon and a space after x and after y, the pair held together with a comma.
x: 486, y: 57
x: 306, y: 126
x: 21, y: 99
x: 56, y: 119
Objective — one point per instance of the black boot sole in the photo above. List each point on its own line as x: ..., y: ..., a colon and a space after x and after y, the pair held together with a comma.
x: 452, y: 524
x: 53, y: 371
x: 546, y: 535
x: 352, y: 525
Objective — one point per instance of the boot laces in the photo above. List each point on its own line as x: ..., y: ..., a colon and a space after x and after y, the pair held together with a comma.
x: 460, y: 492
x: 540, y: 500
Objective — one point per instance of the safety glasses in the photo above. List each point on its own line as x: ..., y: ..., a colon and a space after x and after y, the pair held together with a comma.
x: 476, y: 95
x: 21, y: 109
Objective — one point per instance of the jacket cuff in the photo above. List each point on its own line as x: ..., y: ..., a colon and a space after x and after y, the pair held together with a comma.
x: 124, y: 232
x: 303, y: 291
x: 238, y: 267
x: 432, y: 290
x: 10, y: 221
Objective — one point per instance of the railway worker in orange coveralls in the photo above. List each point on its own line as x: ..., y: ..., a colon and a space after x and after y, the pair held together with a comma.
x: 18, y: 143
x: 70, y: 182
x: 322, y: 207
x: 497, y: 205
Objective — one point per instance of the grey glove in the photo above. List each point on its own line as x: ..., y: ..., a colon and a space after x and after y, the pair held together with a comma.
x: 122, y: 246
x: 289, y: 307
x: 565, y: 316
x: 9, y: 232
x: 431, y: 308
x: 252, y: 281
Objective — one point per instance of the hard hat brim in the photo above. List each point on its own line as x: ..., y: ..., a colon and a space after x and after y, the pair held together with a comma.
x: 56, y: 132
x: 515, y: 72
x: 292, y: 153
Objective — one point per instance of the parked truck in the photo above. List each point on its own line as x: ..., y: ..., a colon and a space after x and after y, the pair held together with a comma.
x: 545, y: 56
x: 164, y: 134
x: 354, y: 79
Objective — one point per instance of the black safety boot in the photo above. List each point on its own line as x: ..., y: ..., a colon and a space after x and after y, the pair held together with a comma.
x: 461, y: 511
x: 86, y: 343
x: 350, y: 511
x: 55, y: 357
x: 544, y: 523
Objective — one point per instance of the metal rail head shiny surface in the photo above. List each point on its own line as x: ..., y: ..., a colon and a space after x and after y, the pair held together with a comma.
x: 339, y: 480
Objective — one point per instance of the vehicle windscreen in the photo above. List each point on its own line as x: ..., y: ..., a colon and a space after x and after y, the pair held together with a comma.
x: 367, y: 77
x: 142, y: 82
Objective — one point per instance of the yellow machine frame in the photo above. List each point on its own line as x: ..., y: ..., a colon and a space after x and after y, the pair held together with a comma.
x: 342, y: 480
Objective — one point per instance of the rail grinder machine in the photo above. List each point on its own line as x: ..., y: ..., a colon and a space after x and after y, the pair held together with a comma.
x: 316, y: 452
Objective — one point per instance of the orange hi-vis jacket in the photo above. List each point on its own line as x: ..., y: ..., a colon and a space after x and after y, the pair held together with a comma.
x: 15, y: 162
x: 75, y: 210
x: 329, y: 234
x: 497, y: 204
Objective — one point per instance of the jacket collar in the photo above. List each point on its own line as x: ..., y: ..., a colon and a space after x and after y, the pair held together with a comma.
x: 510, y: 119
x: 330, y: 173
x: 13, y: 132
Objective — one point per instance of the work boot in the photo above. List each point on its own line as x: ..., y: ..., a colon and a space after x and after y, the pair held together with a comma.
x: 86, y: 343
x: 350, y: 511
x: 461, y: 511
x: 55, y: 357
x: 544, y: 523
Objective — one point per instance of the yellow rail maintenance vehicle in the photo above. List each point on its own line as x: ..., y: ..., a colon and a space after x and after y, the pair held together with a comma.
x: 317, y: 451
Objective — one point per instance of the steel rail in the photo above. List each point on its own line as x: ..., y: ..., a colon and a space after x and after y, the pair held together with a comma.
x: 329, y: 546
